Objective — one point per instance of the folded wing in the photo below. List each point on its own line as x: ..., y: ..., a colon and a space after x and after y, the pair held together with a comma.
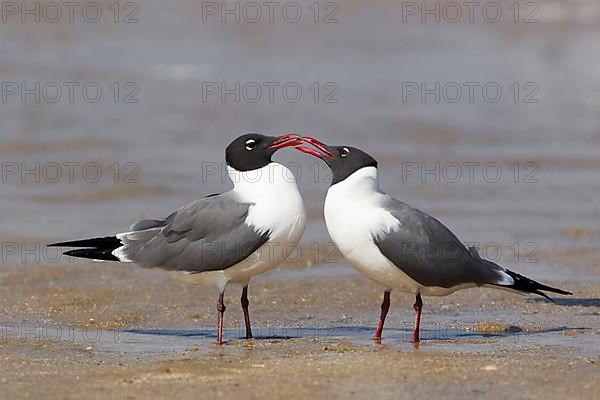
x: 207, y: 235
x: 429, y: 253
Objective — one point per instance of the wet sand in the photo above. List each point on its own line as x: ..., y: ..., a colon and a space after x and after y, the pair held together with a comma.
x: 124, y: 333
x: 296, y: 369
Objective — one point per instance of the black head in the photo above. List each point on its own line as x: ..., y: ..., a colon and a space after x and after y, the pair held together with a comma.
x: 342, y: 160
x: 253, y: 150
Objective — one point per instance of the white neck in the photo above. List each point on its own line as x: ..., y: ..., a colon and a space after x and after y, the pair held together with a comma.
x: 252, y: 185
x: 277, y: 205
x: 361, y: 183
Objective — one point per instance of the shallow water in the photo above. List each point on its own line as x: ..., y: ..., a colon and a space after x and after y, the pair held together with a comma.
x: 151, y: 343
x: 171, y: 133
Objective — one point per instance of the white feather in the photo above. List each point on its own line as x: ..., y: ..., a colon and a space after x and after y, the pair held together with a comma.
x: 277, y: 208
x: 353, y: 224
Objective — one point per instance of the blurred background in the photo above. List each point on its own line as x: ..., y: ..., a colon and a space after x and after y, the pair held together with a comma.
x: 486, y: 116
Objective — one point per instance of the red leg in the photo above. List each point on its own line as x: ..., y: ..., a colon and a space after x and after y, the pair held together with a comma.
x: 221, y: 309
x: 245, y: 304
x: 418, y: 306
x: 385, y: 306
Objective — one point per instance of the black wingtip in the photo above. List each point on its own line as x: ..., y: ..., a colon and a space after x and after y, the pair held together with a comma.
x: 100, y: 242
x: 527, y: 285
x: 93, y: 254
x: 543, y: 295
x: 95, y: 248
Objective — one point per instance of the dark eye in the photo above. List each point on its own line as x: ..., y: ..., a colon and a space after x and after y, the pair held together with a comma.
x: 344, y: 152
x: 250, y: 144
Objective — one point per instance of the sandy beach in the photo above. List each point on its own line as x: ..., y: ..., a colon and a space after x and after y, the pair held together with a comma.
x: 146, y: 336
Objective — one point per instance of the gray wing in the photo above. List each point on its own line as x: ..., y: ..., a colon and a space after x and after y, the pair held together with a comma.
x: 430, y: 253
x: 207, y: 235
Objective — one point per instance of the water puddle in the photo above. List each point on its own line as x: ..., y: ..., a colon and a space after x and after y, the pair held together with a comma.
x: 152, y: 342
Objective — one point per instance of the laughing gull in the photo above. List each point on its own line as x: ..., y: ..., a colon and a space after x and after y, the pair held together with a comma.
x: 223, y: 238
x: 399, y: 246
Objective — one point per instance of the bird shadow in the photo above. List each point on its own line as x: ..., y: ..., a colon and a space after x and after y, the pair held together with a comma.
x: 516, y: 332
x: 360, y: 333
x: 269, y: 333
x: 172, y: 332
x: 437, y: 334
x: 572, y: 301
x: 206, y: 334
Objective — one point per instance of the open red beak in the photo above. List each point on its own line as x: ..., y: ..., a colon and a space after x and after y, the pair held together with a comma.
x: 322, y: 147
x: 287, y: 140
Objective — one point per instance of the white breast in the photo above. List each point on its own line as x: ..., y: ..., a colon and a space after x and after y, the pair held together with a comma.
x: 277, y: 208
x: 353, y: 217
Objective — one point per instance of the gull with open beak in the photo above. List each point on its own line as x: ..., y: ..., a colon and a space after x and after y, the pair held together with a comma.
x: 397, y: 245
x: 224, y: 238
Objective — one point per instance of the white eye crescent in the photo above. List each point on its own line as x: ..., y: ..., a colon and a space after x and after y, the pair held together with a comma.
x: 344, y: 152
x: 250, y: 144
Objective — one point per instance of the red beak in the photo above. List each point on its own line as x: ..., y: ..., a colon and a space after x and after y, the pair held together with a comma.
x: 286, y: 140
x: 324, y: 149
